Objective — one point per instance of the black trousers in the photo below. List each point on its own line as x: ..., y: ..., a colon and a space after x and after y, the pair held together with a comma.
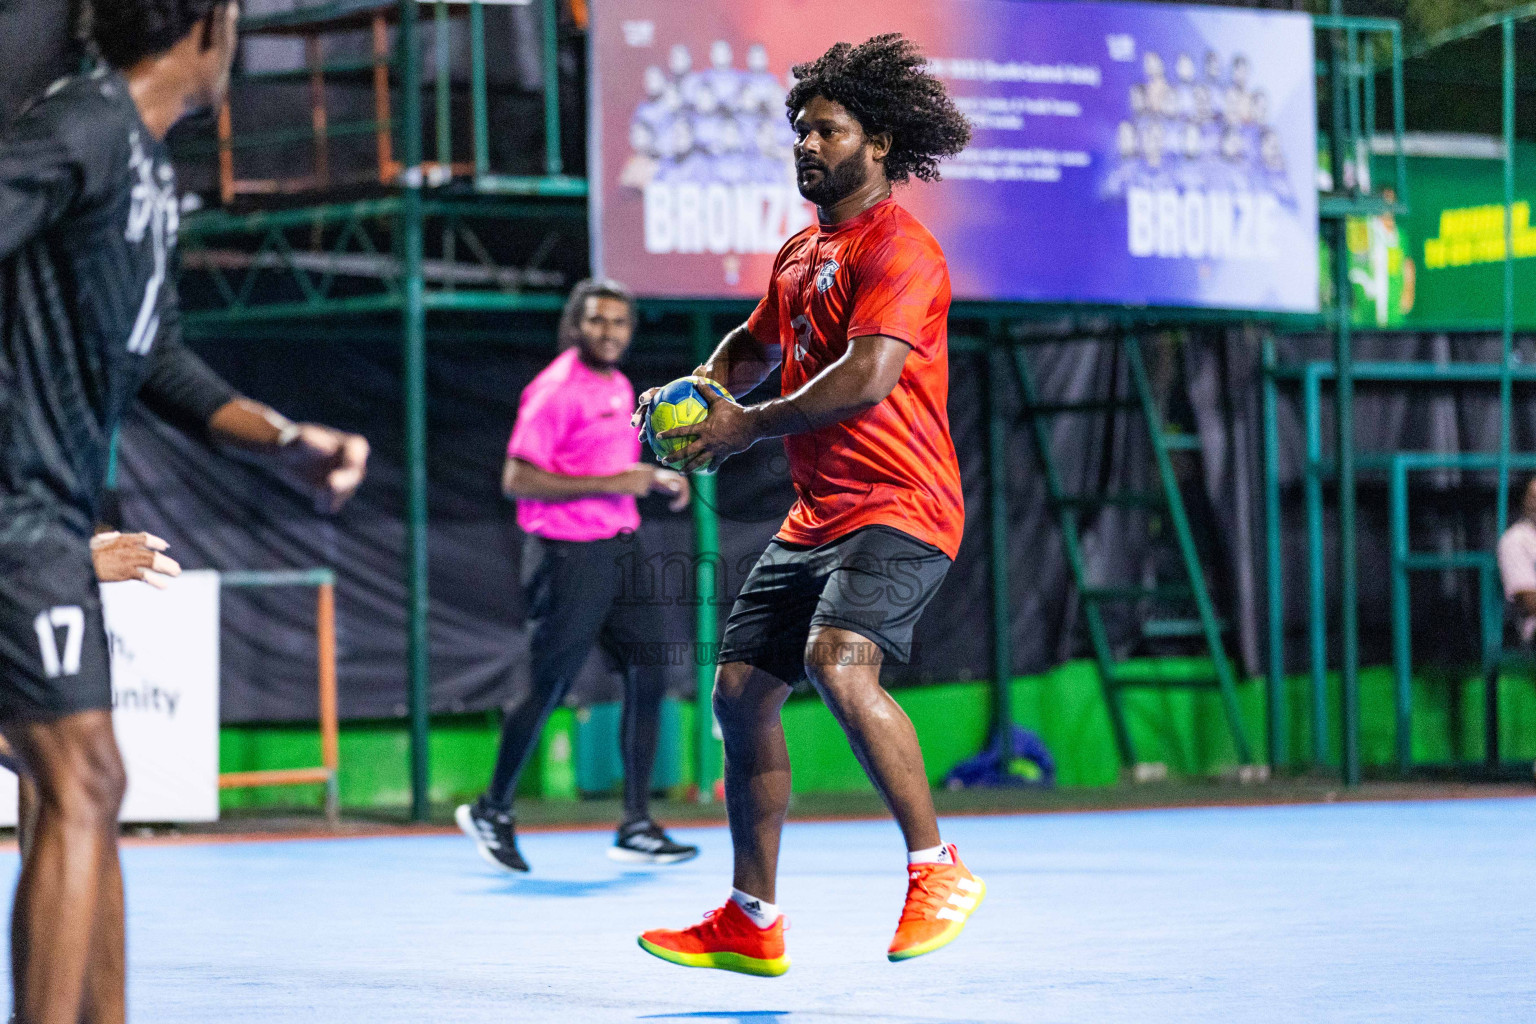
x: 582, y: 593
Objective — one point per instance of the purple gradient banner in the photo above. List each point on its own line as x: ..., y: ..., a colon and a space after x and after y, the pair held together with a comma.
x: 1142, y: 154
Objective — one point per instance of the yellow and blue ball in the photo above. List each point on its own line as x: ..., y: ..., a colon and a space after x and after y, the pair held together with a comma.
x: 679, y: 404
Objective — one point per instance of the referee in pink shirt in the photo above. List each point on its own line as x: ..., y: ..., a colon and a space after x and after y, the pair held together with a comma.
x: 573, y: 466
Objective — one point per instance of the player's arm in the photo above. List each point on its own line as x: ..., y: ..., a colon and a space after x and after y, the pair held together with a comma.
x: 1525, y: 600
x: 739, y: 363
x: 330, y: 462
x: 182, y: 390
x: 860, y: 380
x: 39, y: 180
x: 522, y: 479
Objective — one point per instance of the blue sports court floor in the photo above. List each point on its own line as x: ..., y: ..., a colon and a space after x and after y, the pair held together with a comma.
x: 1342, y: 912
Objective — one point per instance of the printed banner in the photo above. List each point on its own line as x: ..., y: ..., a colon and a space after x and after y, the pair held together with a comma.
x: 1440, y: 266
x: 165, y: 698
x: 1142, y: 154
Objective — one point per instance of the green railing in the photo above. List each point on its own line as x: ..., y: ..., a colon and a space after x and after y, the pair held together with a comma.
x: 1351, y: 68
x: 1490, y: 598
x: 1359, y: 54
x: 1350, y: 135
x: 314, y: 20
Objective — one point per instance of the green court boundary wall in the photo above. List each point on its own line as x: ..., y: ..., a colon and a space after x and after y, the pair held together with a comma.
x: 1183, y: 729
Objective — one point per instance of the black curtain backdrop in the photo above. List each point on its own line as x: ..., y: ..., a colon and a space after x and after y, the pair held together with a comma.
x: 220, y: 512
x: 1450, y: 510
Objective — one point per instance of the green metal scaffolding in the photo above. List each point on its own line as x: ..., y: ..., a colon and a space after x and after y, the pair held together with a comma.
x: 1356, y: 52
x: 401, y: 287
x: 1352, y: 71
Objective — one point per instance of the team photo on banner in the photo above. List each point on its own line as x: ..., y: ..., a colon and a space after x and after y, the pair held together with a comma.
x: 1123, y: 153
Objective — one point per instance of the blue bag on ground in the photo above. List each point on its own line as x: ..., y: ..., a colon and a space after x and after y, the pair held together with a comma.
x: 1017, y: 757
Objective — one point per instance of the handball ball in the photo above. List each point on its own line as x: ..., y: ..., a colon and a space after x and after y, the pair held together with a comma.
x: 679, y: 404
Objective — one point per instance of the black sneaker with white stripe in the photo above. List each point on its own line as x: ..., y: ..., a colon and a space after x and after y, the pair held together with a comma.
x: 493, y: 833
x: 644, y: 842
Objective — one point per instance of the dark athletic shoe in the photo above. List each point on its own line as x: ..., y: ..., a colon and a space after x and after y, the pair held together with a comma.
x: 644, y: 842
x: 492, y: 831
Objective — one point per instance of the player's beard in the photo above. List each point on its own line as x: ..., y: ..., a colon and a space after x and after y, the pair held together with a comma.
x: 837, y: 183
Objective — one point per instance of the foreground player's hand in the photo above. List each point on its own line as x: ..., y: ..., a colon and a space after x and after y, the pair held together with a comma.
x: 330, y: 461
x: 132, y: 556
x: 727, y: 429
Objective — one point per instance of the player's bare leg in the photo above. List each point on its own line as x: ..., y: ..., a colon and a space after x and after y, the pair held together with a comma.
x: 845, y: 669
x: 941, y: 892
x: 67, y: 921
x: 747, y: 934
x: 26, y: 812
x: 747, y: 703
x: 105, y: 999
x: 104, y: 996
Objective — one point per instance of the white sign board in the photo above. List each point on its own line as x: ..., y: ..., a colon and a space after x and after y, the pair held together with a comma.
x: 165, y: 698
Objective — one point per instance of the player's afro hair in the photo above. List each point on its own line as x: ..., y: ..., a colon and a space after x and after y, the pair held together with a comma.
x: 128, y: 31
x: 885, y: 84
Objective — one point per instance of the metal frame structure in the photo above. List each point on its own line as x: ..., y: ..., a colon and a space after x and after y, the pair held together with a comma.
x: 375, y: 261
x: 1490, y: 603
x: 327, y: 774
x: 1068, y: 508
x: 360, y: 274
x: 1352, y: 76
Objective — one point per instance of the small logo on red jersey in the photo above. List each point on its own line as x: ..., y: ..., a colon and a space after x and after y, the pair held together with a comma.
x: 826, y: 275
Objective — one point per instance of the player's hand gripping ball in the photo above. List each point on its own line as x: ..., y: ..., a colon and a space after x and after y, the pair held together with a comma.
x: 678, y: 404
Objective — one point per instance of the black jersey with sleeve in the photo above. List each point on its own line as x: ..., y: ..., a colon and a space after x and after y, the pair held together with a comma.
x: 88, y: 307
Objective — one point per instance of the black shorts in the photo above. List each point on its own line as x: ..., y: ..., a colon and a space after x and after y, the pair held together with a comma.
x: 875, y: 581
x: 53, y: 642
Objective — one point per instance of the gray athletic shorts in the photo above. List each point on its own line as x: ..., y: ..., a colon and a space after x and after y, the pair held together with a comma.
x: 875, y: 581
x: 53, y: 641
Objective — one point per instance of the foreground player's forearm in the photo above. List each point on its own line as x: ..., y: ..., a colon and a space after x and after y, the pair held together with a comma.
x: 860, y: 380
x: 250, y: 425
x: 740, y: 362
x: 330, y: 463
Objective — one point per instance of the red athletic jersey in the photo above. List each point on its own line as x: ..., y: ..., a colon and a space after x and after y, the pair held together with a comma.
x: 879, y: 273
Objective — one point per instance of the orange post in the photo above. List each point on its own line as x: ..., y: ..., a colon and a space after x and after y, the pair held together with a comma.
x: 226, y: 156
x: 276, y: 777
x: 381, y: 113
x: 325, y: 629
x: 317, y: 115
x: 330, y: 739
x: 328, y: 772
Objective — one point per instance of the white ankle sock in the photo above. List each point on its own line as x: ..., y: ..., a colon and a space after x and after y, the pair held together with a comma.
x: 933, y: 855
x: 762, y: 913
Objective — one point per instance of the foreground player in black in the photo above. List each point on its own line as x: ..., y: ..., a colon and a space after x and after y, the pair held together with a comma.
x: 88, y: 322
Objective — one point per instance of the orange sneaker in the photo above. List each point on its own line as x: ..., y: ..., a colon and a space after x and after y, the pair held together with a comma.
x: 726, y: 939
x: 940, y: 898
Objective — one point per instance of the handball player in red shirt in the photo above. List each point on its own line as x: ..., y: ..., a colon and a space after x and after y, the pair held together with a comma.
x: 856, y: 314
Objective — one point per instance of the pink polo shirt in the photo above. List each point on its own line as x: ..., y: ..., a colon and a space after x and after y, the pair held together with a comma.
x: 574, y: 420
